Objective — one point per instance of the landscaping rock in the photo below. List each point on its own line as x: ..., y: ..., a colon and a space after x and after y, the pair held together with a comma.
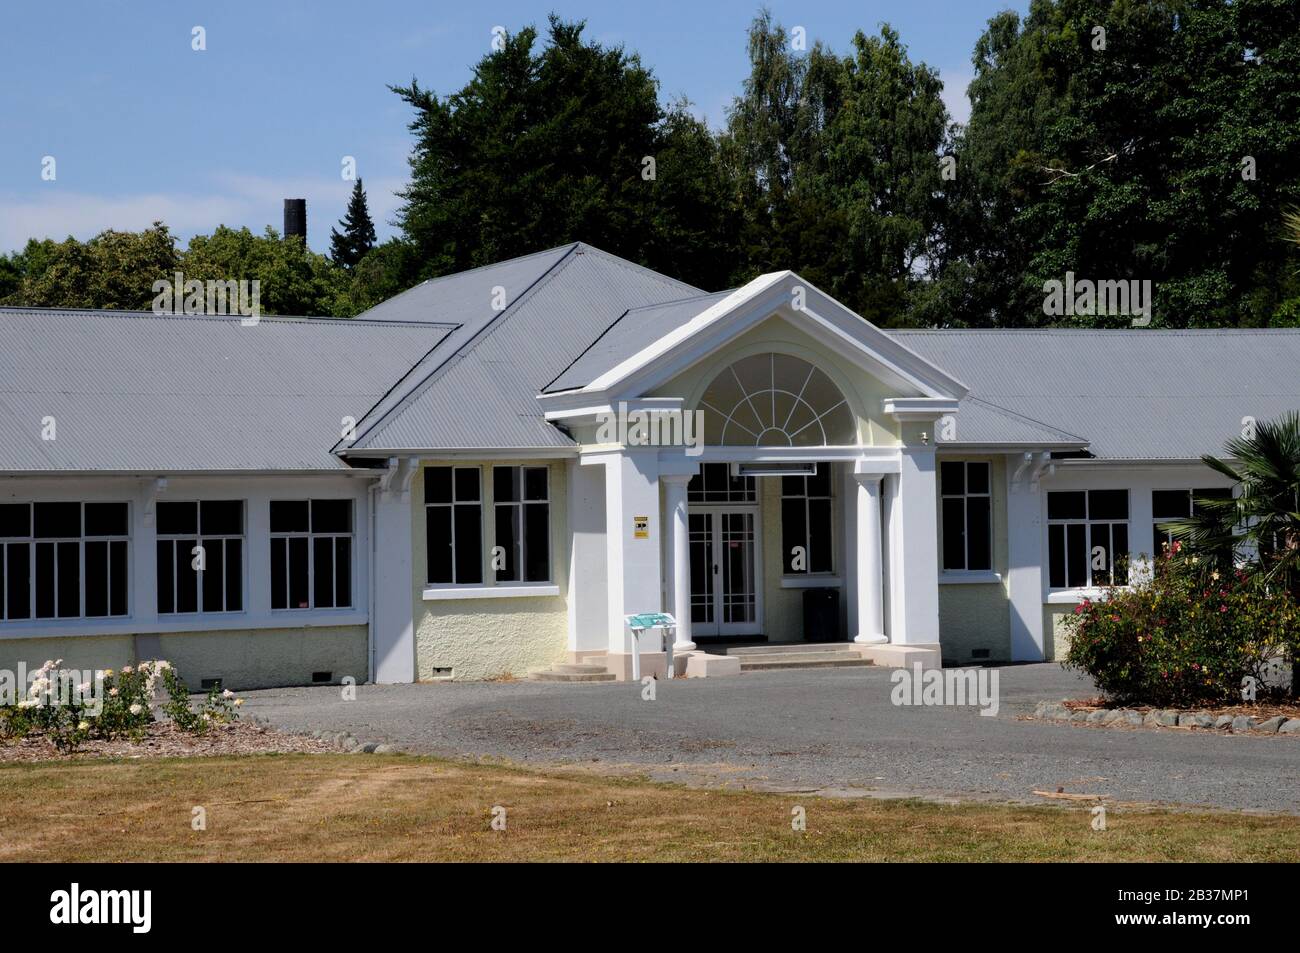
x: 1057, y: 712
x: 1168, y: 718
x: 1290, y: 727
x: 1202, y: 719
x: 1133, y: 718
x: 1223, y: 721
x: 1079, y: 716
x: 1242, y: 723
x: 1096, y: 717
x: 1112, y: 716
x: 1185, y: 719
x: 1271, y: 726
x: 1151, y: 719
x: 387, y: 749
x: 369, y: 747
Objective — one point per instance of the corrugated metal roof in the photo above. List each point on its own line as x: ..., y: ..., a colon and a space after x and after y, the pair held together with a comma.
x: 1135, y: 394
x: 481, y: 391
x: 139, y: 392
x: 635, y: 330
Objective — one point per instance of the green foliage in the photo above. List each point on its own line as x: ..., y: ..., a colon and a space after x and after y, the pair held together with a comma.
x: 358, y: 236
x: 293, y: 279
x: 112, y: 270
x: 1187, y: 636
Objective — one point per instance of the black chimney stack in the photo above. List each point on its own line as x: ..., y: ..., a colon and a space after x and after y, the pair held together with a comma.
x: 295, y: 218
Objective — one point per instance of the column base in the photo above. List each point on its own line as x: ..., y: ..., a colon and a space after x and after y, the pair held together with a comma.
x: 683, y: 647
x: 866, y: 639
x: 893, y: 655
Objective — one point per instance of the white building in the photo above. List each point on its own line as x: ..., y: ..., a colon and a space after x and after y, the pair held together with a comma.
x: 456, y: 483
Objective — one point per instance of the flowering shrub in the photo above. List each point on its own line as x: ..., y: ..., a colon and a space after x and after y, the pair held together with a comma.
x: 1187, y: 636
x: 119, y: 704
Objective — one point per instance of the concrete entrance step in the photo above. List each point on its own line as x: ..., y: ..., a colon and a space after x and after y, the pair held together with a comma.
x: 792, y: 648
x: 758, y: 663
x: 571, y: 672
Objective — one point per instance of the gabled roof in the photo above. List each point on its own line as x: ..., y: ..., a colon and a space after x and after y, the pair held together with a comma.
x: 1135, y: 394
x: 478, y: 389
x: 137, y: 392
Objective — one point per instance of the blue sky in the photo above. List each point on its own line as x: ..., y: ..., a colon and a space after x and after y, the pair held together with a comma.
x: 141, y: 126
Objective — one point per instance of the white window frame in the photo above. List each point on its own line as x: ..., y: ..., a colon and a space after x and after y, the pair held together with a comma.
x: 1088, y: 522
x: 312, y: 536
x: 485, y: 576
x: 964, y: 496
x: 521, y: 546
x: 203, y: 541
x: 823, y: 576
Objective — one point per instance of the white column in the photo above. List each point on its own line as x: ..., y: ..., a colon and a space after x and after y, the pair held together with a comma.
x: 633, y: 566
x: 1024, y: 560
x: 680, y: 557
x: 915, y: 581
x: 394, y: 625
x: 870, y: 602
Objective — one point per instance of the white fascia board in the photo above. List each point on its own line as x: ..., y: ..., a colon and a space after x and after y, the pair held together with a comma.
x: 589, y: 412
x: 919, y: 408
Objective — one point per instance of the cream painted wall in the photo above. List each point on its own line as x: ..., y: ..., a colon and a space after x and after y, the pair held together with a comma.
x: 490, y: 637
x: 977, y: 615
x: 863, y: 392
x: 783, y: 608
x: 255, y: 658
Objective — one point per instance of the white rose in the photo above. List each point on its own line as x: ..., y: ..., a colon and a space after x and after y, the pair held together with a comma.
x: 135, y: 709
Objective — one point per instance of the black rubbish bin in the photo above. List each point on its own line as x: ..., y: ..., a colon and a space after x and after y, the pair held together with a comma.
x: 821, y: 615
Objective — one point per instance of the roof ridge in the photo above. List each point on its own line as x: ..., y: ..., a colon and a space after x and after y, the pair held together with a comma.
x: 120, y: 313
x: 475, y: 339
x: 998, y: 408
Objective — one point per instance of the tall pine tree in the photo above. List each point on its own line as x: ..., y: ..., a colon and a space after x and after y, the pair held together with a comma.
x: 358, y: 235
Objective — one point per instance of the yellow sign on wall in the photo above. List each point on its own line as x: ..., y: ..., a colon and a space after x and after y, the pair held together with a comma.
x: 640, y: 527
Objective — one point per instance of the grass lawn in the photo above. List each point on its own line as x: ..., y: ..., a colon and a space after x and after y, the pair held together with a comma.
x: 381, y: 808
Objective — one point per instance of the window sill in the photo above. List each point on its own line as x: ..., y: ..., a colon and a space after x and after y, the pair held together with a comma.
x: 491, y: 592
x: 187, y: 622
x: 971, y: 578
x: 810, y: 581
x: 1073, y: 596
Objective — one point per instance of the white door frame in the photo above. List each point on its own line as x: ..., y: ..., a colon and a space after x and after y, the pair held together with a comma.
x: 717, y: 511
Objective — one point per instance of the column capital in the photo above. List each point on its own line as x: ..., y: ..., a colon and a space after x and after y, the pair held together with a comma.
x: 676, y: 479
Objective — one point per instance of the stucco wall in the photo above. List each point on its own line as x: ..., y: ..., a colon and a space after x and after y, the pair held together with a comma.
x: 783, y: 608
x: 491, y: 637
x: 242, y: 659
x: 1055, y: 640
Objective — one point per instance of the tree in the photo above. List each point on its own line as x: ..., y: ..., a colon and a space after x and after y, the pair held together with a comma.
x: 358, y: 235
x: 544, y: 147
x: 292, y: 278
x: 112, y: 270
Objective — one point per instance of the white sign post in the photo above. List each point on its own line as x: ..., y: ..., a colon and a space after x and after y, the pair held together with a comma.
x: 650, y: 622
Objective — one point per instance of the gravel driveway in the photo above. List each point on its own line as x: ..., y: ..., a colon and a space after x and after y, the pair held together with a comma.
x: 834, y: 731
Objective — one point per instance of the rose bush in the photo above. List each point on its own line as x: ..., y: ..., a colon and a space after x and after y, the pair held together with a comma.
x: 1188, y: 635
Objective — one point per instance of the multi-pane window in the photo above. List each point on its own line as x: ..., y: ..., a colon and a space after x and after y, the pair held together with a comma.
x: 806, y: 522
x: 967, y: 516
x: 715, y: 484
x: 63, y: 560
x: 200, y: 556
x: 1167, y: 505
x: 453, y: 520
x: 522, y: 510
x: 311, y: 554
x: 1087, y: 538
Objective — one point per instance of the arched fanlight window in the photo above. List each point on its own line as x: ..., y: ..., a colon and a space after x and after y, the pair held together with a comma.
x: 776, y: 400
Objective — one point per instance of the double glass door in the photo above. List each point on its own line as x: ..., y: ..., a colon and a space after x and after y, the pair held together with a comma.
x: 725, y: 573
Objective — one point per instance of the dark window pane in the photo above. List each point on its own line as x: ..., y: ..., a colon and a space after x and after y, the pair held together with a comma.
x: 1066, y: 505
x: 45, y: 580
x: 97, y: 578
x: 342, y: 572
x: 979, y: 543
x: 1170, y: 504
x: 1076, y: 546
x: 118, y: 578
x: 15, y: 519
x: 469, y: 545
x: 507, y: 538
x: 535, y: 479
x: 323, y: 572
x: 1219, y: 493
x: 1099, y: 554
x: 175, y: 519
x: 331, y: 516
x: 954, y: 534
x: 279, y: 574
x: 819, y: 484
x: 819, y: 535
x: 106, y: 519
x: 977, y: 478
x: 214, y: 576
x: 69, y: 556
x: 1159, y: 539
x: 1119, y: 539
x: 437, y: 484
x: 467, y: 485
x: 18, y: 580
x: 299, y: 572
x: 58, y: 520
x: 1056, y: 557
x: 187, y: 577
x: 505, y: 484
x: 1108, y: 504
x: 952, y: 478
x: 289, y: 516
x: 695, y: 489
x: 166, y: 576
x: 792, y: 486
x: 4, y: 587
x: 794, y: 532
x: 437, y: 526
x: 716, y: 479
x: 537, y: 542
x: 221, y: 518
x: 234, y: 575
